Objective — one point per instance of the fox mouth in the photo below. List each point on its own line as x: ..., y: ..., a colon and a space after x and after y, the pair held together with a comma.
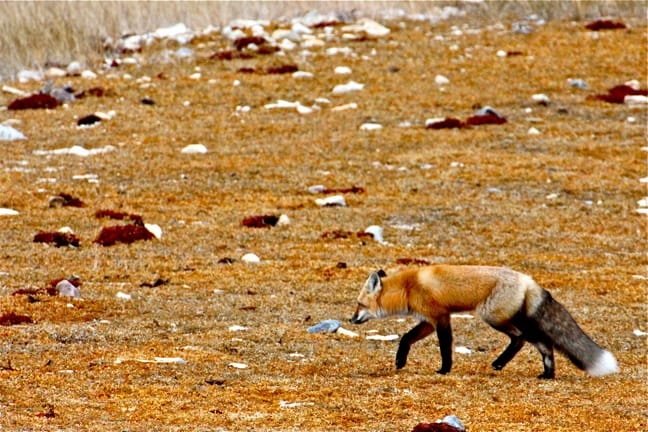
x: 359, y: 318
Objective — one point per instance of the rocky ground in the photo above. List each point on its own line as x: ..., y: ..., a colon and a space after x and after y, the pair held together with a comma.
x: 195, y: 135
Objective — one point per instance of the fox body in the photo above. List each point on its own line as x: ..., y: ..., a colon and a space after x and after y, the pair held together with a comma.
x: 509, y: 301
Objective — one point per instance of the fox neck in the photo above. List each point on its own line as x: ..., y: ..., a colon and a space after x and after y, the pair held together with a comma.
x: 392, y: 302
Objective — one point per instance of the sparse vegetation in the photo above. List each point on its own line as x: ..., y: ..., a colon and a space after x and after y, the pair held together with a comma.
x: 164, y: 327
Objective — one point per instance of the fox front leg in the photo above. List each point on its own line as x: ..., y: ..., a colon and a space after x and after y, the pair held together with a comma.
x: 422, y: 330
x: 444, y: 333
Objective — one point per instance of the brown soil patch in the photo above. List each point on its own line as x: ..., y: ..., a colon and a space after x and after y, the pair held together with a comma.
x: 560, y: 206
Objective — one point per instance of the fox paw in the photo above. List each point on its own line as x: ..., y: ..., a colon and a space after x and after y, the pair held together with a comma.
x: 497, y: 366
x: 546, y: 375
x: 443, y: 371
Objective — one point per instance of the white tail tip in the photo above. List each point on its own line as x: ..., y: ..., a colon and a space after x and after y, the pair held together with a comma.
x: 605, y: 364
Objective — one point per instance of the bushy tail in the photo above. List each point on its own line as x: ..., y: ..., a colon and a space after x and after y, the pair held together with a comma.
x: 560, y: 327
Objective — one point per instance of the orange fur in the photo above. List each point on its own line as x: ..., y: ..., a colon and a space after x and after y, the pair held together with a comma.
x: 509, y: 301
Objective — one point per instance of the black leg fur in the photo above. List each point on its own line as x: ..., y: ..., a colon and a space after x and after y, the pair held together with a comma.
x: 517, y: 342
x: 444, y: 333
x: 420, y: 331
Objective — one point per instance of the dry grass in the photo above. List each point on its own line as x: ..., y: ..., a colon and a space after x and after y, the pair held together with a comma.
x: 585, y: 245
x: 35, y: 34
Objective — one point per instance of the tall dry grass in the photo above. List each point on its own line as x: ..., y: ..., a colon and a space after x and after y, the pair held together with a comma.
x: 36, y: 33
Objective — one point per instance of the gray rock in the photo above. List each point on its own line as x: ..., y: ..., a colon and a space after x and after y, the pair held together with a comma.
x: 326, y: 326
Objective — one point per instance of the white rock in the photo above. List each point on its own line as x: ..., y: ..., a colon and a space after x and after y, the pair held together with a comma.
x: 66, y: 289
x: 232, y: 33
x: 284, y: 220
x: 123, y: 296
x: 183, y: 53
x: 195, y: 149
x: 301, y: 109
x: 284, y: 404
x: 55, y: 72
x: 635, y: 100
x: 376, y: 232
x: 639, y: 333
x: 332, y: 201
x: 178, y: 360
x: 370, y: 126
x: 14, y: 91
x: 345, y: 107
x: 633, y: 84
x: 282, y: 104
x: 250, y: 258
x: 287, y: 45
x: 154, y: 229
x: 501, y: 53
x: 75, y: 150
x: 346, y: 332
x: 290, y: 35
x: 105, y: 116
x: 92, y: 178
x: 177, y: 32
x: 368, y: 26
x: 441, y: 80
x: 237, y: 328
x: 349, y: 87
x: 316, y: 189
x: 342, y: 70
x: 302, y: 74
x: 540, y: 98
x: 195, y: 76
x: 74, y: 68
x: 382, y: 338
x: 29, y: 75
x: 429, y: 122
x: 335, y: 50
x: 533, y: 131
x: 8, y: 212
x: 463, y: 350
x: 88, y: 74
x: 7, y: 133
x: 301, y: 29
x: 312, y: 43
x: 238, y: 365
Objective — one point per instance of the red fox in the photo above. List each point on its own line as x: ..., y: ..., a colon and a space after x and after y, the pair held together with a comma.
x: 509, y: 301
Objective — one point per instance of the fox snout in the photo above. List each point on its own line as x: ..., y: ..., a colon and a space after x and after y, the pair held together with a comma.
x: 360, y: 316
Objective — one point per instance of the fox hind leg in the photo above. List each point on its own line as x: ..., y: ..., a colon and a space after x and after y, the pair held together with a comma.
x: 517, y: 342
x: 546, y: 349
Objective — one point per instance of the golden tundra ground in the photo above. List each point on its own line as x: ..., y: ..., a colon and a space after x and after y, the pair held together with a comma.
x: 483, y: 201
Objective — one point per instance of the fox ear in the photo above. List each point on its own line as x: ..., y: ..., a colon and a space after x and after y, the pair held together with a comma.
x: 374, y: 284
x: 381, y: 273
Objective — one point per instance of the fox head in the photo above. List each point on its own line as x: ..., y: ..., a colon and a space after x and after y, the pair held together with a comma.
x: 368, y: 305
